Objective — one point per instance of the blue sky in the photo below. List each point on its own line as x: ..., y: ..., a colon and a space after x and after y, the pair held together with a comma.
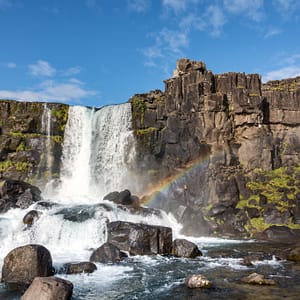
x: 98, y: 52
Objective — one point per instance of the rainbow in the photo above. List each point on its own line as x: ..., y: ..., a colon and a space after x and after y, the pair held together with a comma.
x: 178, y: 178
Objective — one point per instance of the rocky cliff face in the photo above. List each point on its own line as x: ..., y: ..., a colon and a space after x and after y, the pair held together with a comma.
x: 220, y: 140
x: 31, y: 135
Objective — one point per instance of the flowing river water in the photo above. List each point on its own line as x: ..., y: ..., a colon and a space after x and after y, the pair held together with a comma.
x: 98, y: 148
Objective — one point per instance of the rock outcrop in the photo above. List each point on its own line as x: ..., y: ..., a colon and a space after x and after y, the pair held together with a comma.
x: 49, y: 288
x: 17, y: 194
x: 140, y: 239
x: 31, y: 134
x: 218, y: 146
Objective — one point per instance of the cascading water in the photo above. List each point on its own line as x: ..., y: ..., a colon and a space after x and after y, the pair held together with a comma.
x: 98, y: 149
x: 46, y: 130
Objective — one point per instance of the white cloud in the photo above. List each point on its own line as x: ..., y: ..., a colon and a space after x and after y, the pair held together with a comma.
x: 42, y: 68
x: 285, y: 72
x: 50, y: 91
x: 192, y: 21
x: 251, y: 8
x: 138, y: 5
x: 72, y: 71
x: 272, y: 32
x: 178, y: 5
x: 216, y: 19
x: 173, y: 40
x: 11, y: 65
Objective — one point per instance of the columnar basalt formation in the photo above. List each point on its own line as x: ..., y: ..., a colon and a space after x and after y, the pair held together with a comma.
x: 237, y: 130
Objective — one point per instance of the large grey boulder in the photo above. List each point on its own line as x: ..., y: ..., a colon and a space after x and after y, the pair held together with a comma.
x: 49, y: 288
x: 185, y: 248
x: 107, y: 253
x: 23, y: 264
x: 140, y: 239
x: 17, y: 194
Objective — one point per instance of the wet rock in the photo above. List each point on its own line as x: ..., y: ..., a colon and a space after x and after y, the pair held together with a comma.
x: 197, y: 281
x: 46, y: 204
x: 23, y: 264
x: 123, y: 197
x: 108, y: 253
x: 279, y: 234
x: 257, y: 279
x: 185, y: 248
x: 31, y: 217
x: 17, y: 194
x: 49, y: 288
x: 77, y: 213
x: 113, y: 196
x: 140, y: 239
x: 77, y: 268
x: 294, y: 254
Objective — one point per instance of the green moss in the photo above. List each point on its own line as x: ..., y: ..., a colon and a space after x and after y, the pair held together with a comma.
x: 253, y: 95
x: 258, y: 224
x: 139, y: 108
x: 21, y: 134
x: 57, y: 139
x: 146, y: 130
x: 61, y: 115
x: 4, y: 165
x: 21, y: 147
x: 19, y: 166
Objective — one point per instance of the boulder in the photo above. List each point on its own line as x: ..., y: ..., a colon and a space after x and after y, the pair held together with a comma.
x: 77, y: 213
x: 185, y: 248
x: 23, y: 264
x: 17, y: 194
x: 140, y: 239
x: 49, y: 288
x: 107, y: 253
x: 258, y: 279
x: 77, y: 268
x: 123, y: 197
x: 294, y: 254
x: 31, y: 217
x: 281, y: 234
x: 197, y: 281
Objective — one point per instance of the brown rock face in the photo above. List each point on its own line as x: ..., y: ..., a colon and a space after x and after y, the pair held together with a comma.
x: 49, y: 288
x: 23, y: 264
x: 212, y: 133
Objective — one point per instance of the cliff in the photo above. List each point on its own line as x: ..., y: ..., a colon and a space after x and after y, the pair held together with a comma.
x: 31, y: 136
x: 228, y: 145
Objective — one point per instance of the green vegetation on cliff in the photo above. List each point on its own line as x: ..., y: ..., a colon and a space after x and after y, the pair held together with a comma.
x: 273, y: 196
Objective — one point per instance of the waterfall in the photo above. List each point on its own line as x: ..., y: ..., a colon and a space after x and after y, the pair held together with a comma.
x: 46, y: 130
x: 97, y: 151
x: 75, y: 174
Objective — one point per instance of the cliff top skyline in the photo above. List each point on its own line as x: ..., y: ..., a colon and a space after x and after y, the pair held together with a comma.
x: 93, y: 53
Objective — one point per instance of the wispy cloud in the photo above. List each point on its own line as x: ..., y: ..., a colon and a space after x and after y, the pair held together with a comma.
x: 5, y: 4
x: 11, y: 65
x: 72, y: 71
x: 42, y: 68
x: 50, y: 91
x: 285, y: 72
x: 252, y: 9
x: 178, y: 5
x: 138, y: 5
x: 216, y: 19
x: 272, y: 32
